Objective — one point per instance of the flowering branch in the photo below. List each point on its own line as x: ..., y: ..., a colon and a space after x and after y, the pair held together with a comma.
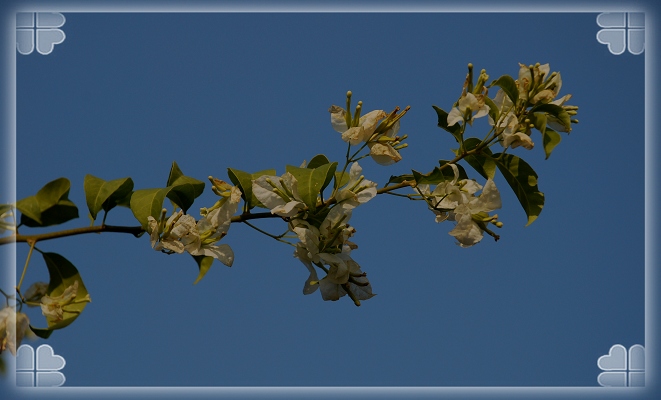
x: 316, y: 226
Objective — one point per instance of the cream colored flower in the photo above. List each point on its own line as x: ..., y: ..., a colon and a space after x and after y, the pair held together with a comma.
x: 201, y: 241
x: 279, y: 194
x: 470, y: 105
x: 467, y: 231
x: 357, y: 191
x: 13, y: 328
x: 355, y: 134
x: 52, y: 306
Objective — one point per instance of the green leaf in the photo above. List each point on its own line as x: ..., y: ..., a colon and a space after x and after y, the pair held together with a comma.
x: 53, y: 192
x: 185, y: 189
x: 148, y: 202
x: 462, y: 171
x: 398, y: 178
x: 550, y: 139
x: 50, y: 206
x: 125, y: 201
x: 319, y: 161
x: 105, y: 195
x: 311, y: 181
x: 243, y: 180
x: 341, y: 179
x: 523, y: 181
x: 61, y: 212
x: 29, y: 208
x: 508, y: 84
x: 203, y: 263
x: 455, y: 129
x: 437, y: 175
x: 434, y: 177
x: 481, y: 162
x: 175, y: 173
x: 556, y: 111
x: 63, y: 275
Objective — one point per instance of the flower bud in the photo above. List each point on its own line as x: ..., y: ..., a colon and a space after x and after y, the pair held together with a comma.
x: 347, y: 115
x: 481, y: 80
x: 469, y: 78
x: 356, y: 115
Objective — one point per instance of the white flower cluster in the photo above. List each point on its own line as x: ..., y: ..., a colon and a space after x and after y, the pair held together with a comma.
x: 377, y: 129
x: 182, y: 233
x: 325, y: 243
x: 536, y: 85
x: 456, y: 200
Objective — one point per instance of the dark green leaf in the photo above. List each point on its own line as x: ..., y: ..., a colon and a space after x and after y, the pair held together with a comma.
x: 126, y: 201
x: 523, y: 181
x: 434, y: 177
x: 481, y: 162
x: 243, y: 180
x: 50, y: 206
x: 455, y: 129
x: 318, y: 161
x: 175, y: 173
x: 185, y: 189
x: 61, y: 212
x: 508, y: 84
x: 105, y: 195
x: 398, y: 178
x: 462, y: 171
x: 559, y: 113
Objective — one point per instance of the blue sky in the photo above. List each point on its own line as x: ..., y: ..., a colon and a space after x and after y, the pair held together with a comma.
x: 126, y: 94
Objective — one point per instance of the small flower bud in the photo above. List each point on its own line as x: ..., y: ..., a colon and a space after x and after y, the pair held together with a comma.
x: 347, y: 114
x: 480, y: 82
x: 356, y: 115
x: 468, y: 85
